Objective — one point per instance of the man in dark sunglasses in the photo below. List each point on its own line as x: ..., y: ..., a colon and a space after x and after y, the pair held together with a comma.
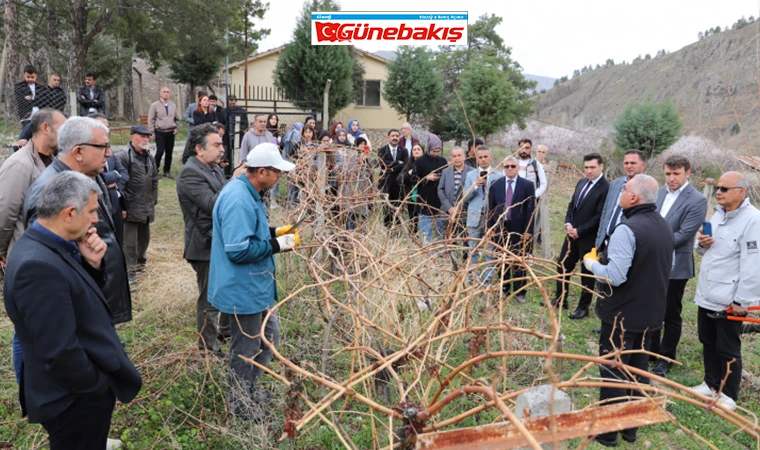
x: 511, y: 203
x: 729, y: 277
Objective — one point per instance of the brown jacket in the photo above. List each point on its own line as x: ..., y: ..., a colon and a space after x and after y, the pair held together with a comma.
x: 141, y: 191
x: 159, y: 120
x: 16, y: 176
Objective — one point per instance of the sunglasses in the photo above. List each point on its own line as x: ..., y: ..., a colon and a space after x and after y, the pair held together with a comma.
x: 725, y: 189
x: 510, y: 166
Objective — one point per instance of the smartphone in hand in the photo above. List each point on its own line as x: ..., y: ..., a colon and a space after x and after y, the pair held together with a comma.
x: 707, y: 229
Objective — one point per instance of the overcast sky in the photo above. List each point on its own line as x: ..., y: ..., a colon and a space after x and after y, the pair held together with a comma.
x: 554, y: 37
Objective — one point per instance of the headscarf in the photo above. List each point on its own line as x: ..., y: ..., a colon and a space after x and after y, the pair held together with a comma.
x: 434, y: 142
x: 355, y: 134
x: 337, y: 135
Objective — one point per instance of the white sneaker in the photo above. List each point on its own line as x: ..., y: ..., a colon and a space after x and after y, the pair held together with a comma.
x: 113, y: 444
x: 703, y: 389
x: 726, y: 402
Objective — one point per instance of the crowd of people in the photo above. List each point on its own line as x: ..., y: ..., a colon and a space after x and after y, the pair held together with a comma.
x: 79, y: 216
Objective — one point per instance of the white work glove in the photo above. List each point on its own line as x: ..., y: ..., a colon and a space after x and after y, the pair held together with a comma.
x: 589, y: 264
x: 288, y: 242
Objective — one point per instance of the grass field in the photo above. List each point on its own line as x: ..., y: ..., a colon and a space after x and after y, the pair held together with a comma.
x: 182, y: 406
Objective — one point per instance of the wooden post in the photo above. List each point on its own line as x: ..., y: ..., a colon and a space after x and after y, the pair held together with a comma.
x: 120, y: 96
x: 73, y: 104
x: 543, y: 226
x: 708, y: 191
x: 321, y: 184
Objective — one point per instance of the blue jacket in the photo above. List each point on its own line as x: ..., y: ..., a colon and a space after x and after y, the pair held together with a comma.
x: 242, y: 274
x: 476, y: 198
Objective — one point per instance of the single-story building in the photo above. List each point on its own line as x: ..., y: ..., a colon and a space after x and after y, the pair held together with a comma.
x: 372, y: 110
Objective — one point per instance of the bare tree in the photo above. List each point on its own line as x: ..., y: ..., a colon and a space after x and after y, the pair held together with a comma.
x: 12, y: 31
x: 82, y: 37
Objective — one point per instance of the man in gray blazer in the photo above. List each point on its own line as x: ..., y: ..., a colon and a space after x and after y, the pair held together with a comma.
x: 450, y: 189
x: 684, y: 208
x: 476, y: 185
x: 634, y: 163
x: 198, y: 186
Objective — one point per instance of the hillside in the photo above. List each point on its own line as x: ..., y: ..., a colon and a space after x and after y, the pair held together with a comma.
x: 543, y: 82
x: 714, y: 83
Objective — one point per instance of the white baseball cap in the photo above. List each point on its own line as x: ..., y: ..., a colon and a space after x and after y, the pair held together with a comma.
x: 267, y: 154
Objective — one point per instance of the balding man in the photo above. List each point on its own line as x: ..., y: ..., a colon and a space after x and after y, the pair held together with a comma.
x: 406, y: 140
x: 541, y: 152
x: 163, y: 123
x: 19, y: 172
x: 83, y: 147
x: 639, y: 258
x: 729, y: 277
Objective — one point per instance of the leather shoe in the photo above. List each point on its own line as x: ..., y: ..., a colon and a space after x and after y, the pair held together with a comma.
x: 629, y: 435
x: 662, y: 368
x: 602, y: 439
x: 565, y: 304
x: 597, y: 330
x: 579, y: 314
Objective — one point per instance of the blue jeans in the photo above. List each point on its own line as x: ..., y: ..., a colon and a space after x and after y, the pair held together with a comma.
x: 426, y: 227
x: 293, y: 192
x: 475, y: 235
x: 17, y: 358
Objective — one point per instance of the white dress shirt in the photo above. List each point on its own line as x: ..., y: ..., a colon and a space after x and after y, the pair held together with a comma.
x: 670, y: 199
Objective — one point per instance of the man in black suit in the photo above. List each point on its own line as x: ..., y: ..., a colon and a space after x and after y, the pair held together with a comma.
x: 581, y: 224
x: 74, y: 366
x: 392, y: 160
x: 26, y: 93
x: 511, y: 203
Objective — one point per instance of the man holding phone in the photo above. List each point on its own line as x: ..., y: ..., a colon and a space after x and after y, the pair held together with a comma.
x: 476, y: 185
x: 729, y: 277
x: 684, y: 208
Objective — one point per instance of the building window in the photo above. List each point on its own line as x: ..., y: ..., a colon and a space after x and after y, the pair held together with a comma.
x: 370, y: 95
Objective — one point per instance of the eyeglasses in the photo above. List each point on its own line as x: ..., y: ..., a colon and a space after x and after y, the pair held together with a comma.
x: 276, y: 171
x: 510, y: 166
x: 103, y: 147
x: 725, y: 189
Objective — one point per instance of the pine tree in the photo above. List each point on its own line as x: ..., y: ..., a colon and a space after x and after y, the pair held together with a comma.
x: 648, y: 126
x: 305, y: 68
x: 413, y: 85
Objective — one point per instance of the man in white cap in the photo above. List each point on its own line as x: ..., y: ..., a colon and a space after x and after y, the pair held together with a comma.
x: 242, y: 279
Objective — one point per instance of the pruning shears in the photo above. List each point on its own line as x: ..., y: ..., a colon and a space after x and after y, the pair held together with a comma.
x: 728, y: 314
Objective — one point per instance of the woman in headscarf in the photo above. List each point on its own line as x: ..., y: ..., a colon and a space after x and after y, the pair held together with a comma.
x: 296, y: 177
x: 354, y: 131
x: 334, y: 128
x: 273, y: 126
x: 408, y: 179
x: 356, y: 186
x: 429, y: 168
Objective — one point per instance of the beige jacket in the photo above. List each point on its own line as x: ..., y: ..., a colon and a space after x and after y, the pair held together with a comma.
x: 159, y: 120
x: 17, y: 174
